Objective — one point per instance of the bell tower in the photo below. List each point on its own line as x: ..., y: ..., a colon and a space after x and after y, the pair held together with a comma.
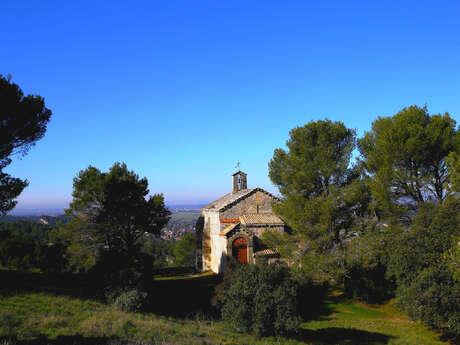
x: 240, y: 181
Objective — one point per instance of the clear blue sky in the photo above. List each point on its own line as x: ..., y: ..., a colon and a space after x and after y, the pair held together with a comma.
x: 182, y: 90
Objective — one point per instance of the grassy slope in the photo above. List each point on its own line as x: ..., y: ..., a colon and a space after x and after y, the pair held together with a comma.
x: 57, y: 318
x: 352, y: 322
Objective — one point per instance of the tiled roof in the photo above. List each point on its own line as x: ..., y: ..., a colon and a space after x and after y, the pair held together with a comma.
x: 267, y: 252
x: 261, y: 218
x: 228, y: 229
x: 231, y: 198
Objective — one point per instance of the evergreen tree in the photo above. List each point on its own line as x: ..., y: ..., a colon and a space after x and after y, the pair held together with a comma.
x: 406, y: 156
x: 114, y: 208
x: 109, y: 213
x: 322, y: 196
x: 23, y: 121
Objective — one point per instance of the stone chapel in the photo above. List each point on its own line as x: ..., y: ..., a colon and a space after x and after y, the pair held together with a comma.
x: 232, y: 227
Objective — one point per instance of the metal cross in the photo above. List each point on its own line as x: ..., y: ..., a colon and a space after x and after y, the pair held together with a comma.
x: 237, y: 167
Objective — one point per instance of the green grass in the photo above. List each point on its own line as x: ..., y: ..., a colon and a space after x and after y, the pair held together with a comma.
x: 35, y: 317
x: 352, y: 322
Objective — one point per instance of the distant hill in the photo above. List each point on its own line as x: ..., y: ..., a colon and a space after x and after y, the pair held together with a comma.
x: 182, y: 221
x: 42, y: 219
x: 186, y: 208
x: 36, y: 212
x: 26, y: 212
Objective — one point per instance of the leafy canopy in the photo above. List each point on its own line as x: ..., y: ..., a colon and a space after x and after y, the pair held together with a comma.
x: 312, y: 168
x: 423, y: 262
x: 23, y: 121
x: 184, y: 250
x: 113, y: 209
x: 406, y: 156
x: 321, y: 194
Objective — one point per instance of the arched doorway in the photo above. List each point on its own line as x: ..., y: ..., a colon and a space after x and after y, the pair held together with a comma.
x: 240, y: 250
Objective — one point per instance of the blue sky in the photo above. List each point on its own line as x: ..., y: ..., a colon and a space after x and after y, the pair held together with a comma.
x: 182, y: 90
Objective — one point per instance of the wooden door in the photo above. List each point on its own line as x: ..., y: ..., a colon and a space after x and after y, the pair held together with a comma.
x: 240, y: 250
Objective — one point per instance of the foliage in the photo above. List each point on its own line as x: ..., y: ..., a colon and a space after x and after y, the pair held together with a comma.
x: 82, y: 250
x: 184, y: 250
x: 114, y: 207
x: 317, y: 160
x: 324, y: 199
x: 110, y: 213
x: 368, y: 284
x: 262, y: 299
x: 161, y: 251
x: 37, y: 231
x: 434, y: 298
x: 426, y: 242
x: 28, y: 245
x: 231, y: 268
x: 366, y: 265
x: 406, y: 156
x: 18, y: 252
x: 23, y: 121
x: 453, y: 164
x: 116, y: 271
x: 129, y: 300
x: 388, y: 224
x: 428, y: 288
x: 52, y: 257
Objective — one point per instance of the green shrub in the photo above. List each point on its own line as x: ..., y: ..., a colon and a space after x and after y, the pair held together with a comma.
x: 368, y: 284
x: 428, y: 288
x: 260, y: 298
x: 117, y: 271
x: 129, y: 300
x: 434, y: 298
x: 184, y: 250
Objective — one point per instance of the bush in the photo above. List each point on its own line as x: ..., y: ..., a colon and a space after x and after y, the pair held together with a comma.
x: 129, y: 300
x: 368, y: 284
x: 117, y: 271
x: 260, y: 298
x: 52, y: 258
x: 184, y: 250
x: 428, y: 288
x: 366, y: 262
x: 434, y: 298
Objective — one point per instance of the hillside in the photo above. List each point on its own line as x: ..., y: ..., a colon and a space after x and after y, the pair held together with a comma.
x: 179, y: 224
x: 40, y: 313
x: 40, y: 219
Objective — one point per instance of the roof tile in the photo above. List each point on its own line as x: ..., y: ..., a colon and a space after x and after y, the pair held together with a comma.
x: 233, y: 197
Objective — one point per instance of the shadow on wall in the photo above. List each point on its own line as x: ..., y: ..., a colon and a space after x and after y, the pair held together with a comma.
x: 223, y: 261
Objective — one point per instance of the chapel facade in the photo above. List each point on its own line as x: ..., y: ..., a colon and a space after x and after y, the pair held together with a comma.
x: 232, y: 226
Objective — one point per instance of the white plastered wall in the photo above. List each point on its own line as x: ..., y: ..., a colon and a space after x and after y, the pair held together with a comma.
x: 218, y: 243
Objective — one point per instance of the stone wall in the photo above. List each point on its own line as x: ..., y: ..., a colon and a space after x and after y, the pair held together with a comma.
x: 258, y: 202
